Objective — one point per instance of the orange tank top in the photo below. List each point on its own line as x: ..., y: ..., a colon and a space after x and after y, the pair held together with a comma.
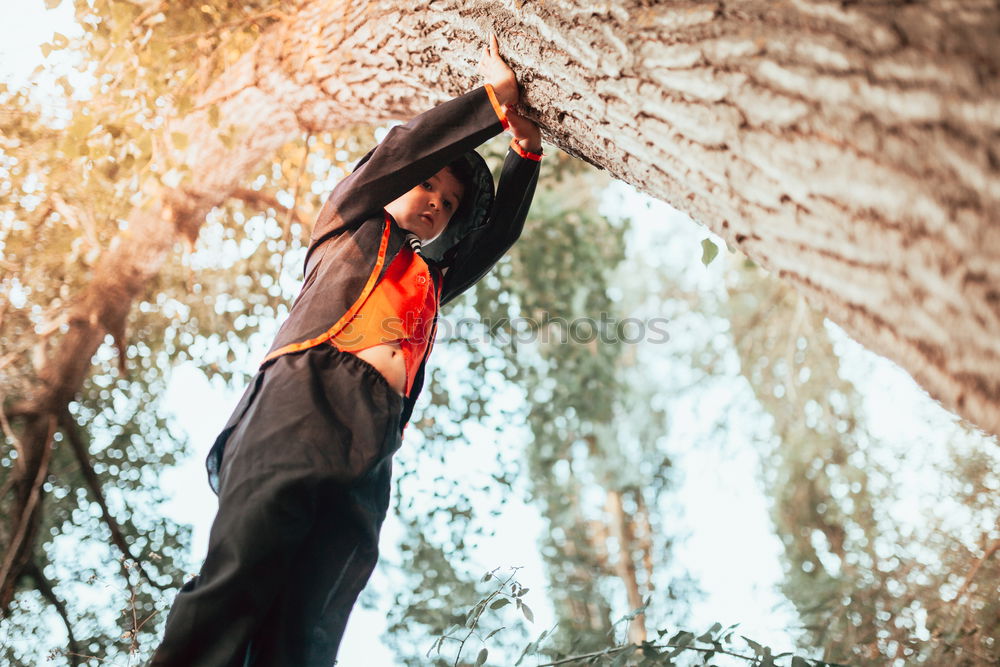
x: 401, y: 308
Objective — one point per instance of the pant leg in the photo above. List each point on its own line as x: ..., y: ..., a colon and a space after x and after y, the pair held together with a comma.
x: 321, y: 420
x: 254, y: 539
x: 306, y: 625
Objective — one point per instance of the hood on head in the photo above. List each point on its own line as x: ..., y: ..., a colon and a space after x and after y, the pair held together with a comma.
x: 471, y: 214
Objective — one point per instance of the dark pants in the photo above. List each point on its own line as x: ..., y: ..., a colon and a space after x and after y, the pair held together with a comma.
x: 304, y: 471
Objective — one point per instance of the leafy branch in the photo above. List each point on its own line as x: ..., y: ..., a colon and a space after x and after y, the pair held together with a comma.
x: 714, y: 641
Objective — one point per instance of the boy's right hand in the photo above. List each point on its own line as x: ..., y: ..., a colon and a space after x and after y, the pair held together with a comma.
x: 525, y: 131
x: 498, y: 74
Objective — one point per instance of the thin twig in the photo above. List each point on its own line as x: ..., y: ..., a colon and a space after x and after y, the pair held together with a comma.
x: 619, y: 649
x: 992, y: 549
x: 10, y: 435
x: 45, y: 588
x: 266, y: 198
x: 94, y: 484
x: 295, y: 192
x: 482, y: 607
x: 34, y: 497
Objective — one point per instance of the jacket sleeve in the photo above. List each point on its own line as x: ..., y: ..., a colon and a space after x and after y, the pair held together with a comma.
x: 409, y: 154
x: 475, y: 255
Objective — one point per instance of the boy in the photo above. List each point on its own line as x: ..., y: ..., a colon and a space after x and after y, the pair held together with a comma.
x: 303, y: 466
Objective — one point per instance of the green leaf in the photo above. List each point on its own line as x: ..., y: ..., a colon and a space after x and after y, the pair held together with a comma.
x: 481, y: 658
x: 493, y: 632
x: 499, y: 602
x: 798, y: 661
x: 145, y: 145
x: 710, y: 633
x: 757, y: 648
x: 470, y: 620
x: 623, y: 657
x: 680, y: 641
x: 526, y: 610
x: 65, y: 85
x: 183, y: 105
x: 708, y: 251
x: 487, y: 576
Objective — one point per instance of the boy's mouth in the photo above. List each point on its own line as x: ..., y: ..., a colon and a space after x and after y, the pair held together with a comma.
x: 427, y: 218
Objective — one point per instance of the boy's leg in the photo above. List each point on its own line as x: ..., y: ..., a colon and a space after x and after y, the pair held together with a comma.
x: 305, y: 626
x: 251, y: 548
x: 321, y: 420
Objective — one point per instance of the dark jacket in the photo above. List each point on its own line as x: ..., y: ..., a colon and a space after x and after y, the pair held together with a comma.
x: 354, y: 240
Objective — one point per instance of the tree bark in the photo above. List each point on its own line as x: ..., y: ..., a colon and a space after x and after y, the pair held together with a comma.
x: 850, y: 148
x: 853, y: 150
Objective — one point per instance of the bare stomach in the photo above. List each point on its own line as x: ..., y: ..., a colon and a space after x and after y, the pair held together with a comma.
x: 387, y: 358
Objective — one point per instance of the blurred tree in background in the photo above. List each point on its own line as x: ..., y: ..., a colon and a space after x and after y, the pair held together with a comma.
x: 871, y: 584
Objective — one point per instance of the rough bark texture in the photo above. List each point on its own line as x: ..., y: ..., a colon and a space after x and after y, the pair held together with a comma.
x: 851, y: 148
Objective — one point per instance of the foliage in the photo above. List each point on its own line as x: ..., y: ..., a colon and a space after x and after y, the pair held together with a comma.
x: 683, y: 647
x: 870, y: 586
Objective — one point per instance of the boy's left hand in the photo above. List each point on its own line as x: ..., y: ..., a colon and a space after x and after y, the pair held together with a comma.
x: 498, y: 74
x: 525, y: 131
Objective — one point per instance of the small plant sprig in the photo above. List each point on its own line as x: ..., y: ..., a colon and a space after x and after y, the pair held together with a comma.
x: 130, y: 610
x: 507, y: 591
x: 705, y: 646
x: 715, y: 641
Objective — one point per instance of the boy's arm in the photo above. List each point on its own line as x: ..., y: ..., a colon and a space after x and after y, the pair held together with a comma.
x: 415, y: 151
x: 476, y: 254
x: 410, y: 153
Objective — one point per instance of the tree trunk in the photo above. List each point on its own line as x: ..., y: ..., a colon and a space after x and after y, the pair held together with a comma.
x: 851, y: 149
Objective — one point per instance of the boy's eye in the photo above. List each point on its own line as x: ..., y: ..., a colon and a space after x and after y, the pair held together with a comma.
x: 447, y: 204
x: 426, y: 185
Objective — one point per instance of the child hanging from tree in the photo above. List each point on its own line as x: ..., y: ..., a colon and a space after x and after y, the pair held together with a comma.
x: 303, y: 466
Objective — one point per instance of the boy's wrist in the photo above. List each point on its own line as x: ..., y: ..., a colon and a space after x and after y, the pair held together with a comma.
x: 527, y: 153
x: 507, y: 92
x: 532, y: 145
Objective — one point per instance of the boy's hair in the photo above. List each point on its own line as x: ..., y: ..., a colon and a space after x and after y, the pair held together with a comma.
x: 462, y: 171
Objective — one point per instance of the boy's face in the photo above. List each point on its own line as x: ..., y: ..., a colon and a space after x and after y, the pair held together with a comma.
x: 426, y: 209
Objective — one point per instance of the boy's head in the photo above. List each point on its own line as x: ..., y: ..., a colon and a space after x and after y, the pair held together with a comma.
x: 427, y: 209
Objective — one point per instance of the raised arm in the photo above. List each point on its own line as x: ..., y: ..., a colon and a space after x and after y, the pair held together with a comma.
x: 415, y: 151
x: 409, y: 154
x: 476, y: 254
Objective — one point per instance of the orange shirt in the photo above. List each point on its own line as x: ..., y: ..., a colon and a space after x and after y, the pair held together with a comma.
x: 401, y: 307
